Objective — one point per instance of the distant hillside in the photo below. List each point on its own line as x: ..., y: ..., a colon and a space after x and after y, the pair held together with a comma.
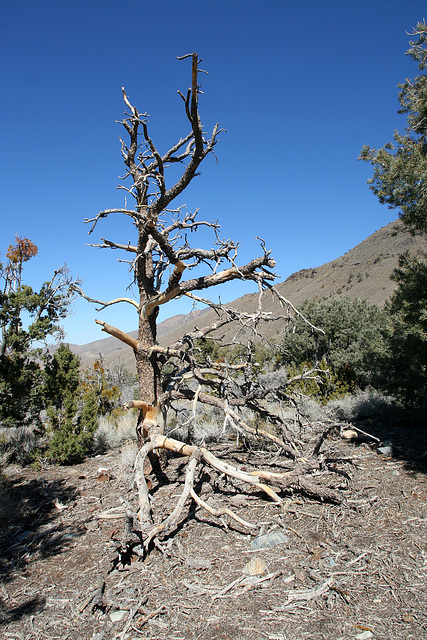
x: 363, y: 272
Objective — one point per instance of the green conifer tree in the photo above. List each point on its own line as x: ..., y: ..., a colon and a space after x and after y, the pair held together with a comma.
x: 27, y: 318
x: 352, y: 346
x: 400, y: 167
x: 400, y: 181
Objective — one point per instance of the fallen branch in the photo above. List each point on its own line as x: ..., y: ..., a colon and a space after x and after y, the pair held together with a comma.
x: 158, y: 441
x: 144, y: 511
x: 258, y: 479
x: 96, y: 598
x: 219, y: 512
x: 228, y: 588
x: 365, y: 433
x: 305, y: 595
x: 113, y: 513
x: 172, y: 520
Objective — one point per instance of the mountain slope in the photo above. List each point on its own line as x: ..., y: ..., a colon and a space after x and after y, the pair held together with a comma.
x: 362, y: 272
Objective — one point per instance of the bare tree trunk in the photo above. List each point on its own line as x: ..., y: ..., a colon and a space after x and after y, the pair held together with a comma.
x: 150, y: 420
x: 146, y: 367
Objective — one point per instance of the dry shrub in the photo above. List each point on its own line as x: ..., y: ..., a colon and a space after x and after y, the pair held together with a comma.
x: 359, y: 405
x: 18, y: 443
x: 127, y: 460
x: 207, y: 425
x: 113, y: 431
x: 310, y: 409
x: 354, y: 406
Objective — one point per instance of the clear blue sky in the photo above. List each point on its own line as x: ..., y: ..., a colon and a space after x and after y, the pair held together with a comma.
x: 299, y: 87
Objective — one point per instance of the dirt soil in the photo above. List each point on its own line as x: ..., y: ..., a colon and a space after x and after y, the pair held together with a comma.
x: 353, y: 570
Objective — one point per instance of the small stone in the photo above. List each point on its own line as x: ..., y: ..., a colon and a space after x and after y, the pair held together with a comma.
x: 103, y: 475
x: 115, y: 616
x: 269, y: 540
x: 386, y: 451
x: 349, y: 434
x: 255, y: 567
x: 365, y: 635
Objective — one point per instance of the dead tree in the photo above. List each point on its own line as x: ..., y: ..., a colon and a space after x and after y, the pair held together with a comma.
x: 160, y: 258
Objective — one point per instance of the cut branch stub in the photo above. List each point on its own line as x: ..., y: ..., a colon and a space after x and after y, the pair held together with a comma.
x: 120, y: 335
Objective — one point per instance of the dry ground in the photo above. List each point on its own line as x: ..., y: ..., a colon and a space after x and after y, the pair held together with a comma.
x: 354, y: 570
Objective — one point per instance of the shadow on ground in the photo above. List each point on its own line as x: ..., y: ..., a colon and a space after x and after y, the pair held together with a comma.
x: 30, y: 522
x: 402, y: 432
x: 15, y: 613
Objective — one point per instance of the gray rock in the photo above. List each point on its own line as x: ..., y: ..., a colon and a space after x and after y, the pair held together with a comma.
x: 117, y: 615
x: 386, y: 450
x: 269, y: 540
x: 365, y: 635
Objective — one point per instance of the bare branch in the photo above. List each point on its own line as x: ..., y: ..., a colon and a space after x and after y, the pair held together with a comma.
x: 169, y: 157
x: 105, y: 304
x: 226, y: 406
x: 172, y: 520
x: 254, y: 270
x: 108, y: 244
x: 107, y: 212
x: 286, y: 303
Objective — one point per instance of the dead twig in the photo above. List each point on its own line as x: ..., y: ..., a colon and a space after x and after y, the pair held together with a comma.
x: 95, y: 598
x: 305, y: 595
x: 365, y: 433
x: 228, y: 588
x: 257, y: 581
x: 133, y: 613
x: 150, y: 616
